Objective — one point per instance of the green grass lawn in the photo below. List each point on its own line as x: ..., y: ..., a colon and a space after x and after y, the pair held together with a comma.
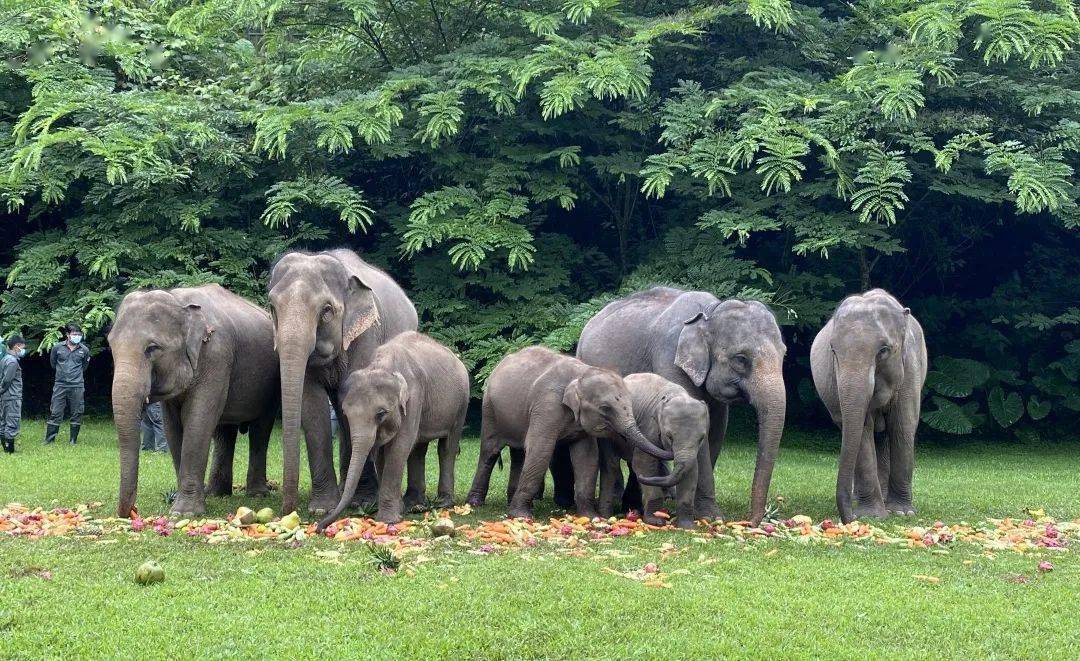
x: 726, y: 599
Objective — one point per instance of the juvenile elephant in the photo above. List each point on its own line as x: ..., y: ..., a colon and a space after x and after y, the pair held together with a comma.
x: 331, y: 310
x: 719, y: 351
x: 414, y: 390
x: 869, y: 365
x: 673, y: 420
x: 536, y: 398
x: 208, y: 356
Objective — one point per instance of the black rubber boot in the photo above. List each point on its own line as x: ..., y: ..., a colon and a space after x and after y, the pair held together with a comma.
x: 9, y: 445
x: 50, y: 433
x: 74, y: 434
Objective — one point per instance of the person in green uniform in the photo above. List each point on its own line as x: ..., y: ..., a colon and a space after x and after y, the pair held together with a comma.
x: 69, y: 360
x: 11, y: 392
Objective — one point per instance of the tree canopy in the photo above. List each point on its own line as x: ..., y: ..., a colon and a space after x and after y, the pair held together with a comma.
x: 518, y: 164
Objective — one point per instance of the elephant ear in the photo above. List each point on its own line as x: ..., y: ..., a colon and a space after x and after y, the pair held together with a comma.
x: 361, y: 313
x: 571, y: 398
x: 692, y: 353
x: 196, y: 332
x: 403, y: 393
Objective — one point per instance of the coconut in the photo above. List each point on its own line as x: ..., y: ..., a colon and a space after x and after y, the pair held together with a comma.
x: 265, y: 515
x: 245, y: 516
x: 442, y: 527
x: 149, y: 572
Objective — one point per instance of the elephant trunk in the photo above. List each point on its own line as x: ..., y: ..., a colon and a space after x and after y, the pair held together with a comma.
x: 361, y: 446
x: 855, y: 386
x: 130, y: 388
x: 628, y: 429
x: 293, y: 350
x: 769, y: 400
x: 685, y: 460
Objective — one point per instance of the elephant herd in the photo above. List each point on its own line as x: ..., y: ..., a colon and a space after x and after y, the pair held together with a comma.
x: 652, y: 380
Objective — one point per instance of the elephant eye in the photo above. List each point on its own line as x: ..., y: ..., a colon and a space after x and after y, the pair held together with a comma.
x: 150, y: 349
x: 606, y: 409
x: 741, y: 362
x: 327, y: 312
x: 380, y: 415
x: 883, y: 352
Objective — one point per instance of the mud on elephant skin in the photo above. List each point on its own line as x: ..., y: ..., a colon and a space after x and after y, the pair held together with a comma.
x: 536, y: 398
x: 413, y: 391
x: 673, y: 420
x: 869, y: 366
x: 720, y: 352
x: 208, y: 356
x: 331, y: 310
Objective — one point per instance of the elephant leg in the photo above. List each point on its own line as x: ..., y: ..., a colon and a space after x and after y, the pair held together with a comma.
x: 221, y: 470
x: 901, y: 423
x: 868, y: 501
x: 416, y: 489
x: 718, y: 420
x: 517, y: 460
x: 584, y: 457
x: 395, y: 457
x: 258, y: 442
x: 174, y: 432
x: 320, y: 452
x: 881, y: 447
x: 630, y: 496
x: 490, y: 447
x: 200, y: 414
x: 609, y: 470
x: 544, y: 427
x: 448, y: 450
x: 562, y: 477
x: 685, y: 492
x: 652, y: 498
x: 705, y: 506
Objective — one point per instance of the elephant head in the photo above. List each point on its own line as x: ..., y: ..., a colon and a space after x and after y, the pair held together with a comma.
x: 319, y: 308
x: 374, y: 402
x: 734, y: 351
x: 156, y: 342
x: 601, y: 405
x: 683, y: 423
x: 867, y: 346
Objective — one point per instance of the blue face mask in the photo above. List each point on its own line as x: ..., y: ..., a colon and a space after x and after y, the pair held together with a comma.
x: 20, y: 353
x: 75, y: 339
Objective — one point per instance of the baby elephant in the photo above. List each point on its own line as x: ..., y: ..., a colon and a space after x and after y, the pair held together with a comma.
x: 414, y: 390
x: 673, y: 420
x: 869, y: 365
x: 536, y: 398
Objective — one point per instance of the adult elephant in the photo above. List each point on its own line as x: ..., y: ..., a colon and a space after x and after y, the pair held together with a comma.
x: 869, y: 366
x: 208, y: 356
x: 719, y: 351
x: 331, y: 310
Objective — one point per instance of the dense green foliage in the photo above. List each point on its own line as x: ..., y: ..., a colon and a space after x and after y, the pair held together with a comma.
x: 517, y: 164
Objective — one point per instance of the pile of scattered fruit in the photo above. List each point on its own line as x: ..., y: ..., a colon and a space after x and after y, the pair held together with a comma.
x: 1034, y: 532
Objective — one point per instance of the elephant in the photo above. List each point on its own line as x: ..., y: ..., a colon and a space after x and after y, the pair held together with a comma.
x: 869, y: 365
x: 208, y: 356
x: 414, y: 390
x: 673, y: 420
x: 719, y: 351
x: 536, y: 398
x: 331, y: 310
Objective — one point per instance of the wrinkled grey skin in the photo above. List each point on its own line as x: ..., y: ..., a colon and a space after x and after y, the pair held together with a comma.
x: 719, y: 351
x: 331, y: 310
x: 536, y: 398
x: 869, y: 365
x: 413, y: 391
x: 208, y: 356
x: 673, y: 420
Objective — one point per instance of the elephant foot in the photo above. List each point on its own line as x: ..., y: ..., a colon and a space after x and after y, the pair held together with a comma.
x: 900, y: 508
x: 565, y: 502
x: 322, y: 503
x: 219, y: 488
x: 188, y: 506
x: 364, y: 499
x: 871, y: 511
x: 474, y: 499
x: 607, y: 511
x: 257, y: 490
x: 685, y: 523
x: 444, y: 501
x: 707, y: 509
x: 414, y: 502
x: 520, y: 512
x: 588, y: 512
x: 388, y: 516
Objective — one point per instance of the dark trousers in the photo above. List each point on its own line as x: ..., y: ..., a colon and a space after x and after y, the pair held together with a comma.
x: 69, y: 400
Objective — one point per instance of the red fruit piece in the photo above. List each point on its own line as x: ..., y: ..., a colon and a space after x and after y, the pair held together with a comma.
x: 1046, y: 566
x: 650, y: 568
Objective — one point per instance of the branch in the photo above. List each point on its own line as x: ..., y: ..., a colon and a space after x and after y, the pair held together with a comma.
x: 438, y: 24
x: 404, y: 32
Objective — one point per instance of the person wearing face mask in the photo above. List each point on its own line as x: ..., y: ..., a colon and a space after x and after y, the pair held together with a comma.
x: 69, y: 360
x: 11, y: 392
